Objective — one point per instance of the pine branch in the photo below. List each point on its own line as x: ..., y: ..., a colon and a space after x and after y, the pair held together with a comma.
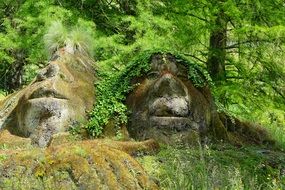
x: 236, y: 45
x: 190, y: 55
x: 190, y: 14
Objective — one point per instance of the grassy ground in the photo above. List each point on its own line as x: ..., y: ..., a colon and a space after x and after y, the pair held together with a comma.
x: 224, y: 166
x: 217, y: 167
x: 2, y: 96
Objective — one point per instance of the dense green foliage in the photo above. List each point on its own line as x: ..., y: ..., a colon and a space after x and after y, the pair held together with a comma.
x: 23, y: 25
x: 254, y: 31
x: 240, y: 42
x: 117, y: 31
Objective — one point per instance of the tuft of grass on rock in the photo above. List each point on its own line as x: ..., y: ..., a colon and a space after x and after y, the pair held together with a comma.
x: 56, y: 36
x: 73, y: 39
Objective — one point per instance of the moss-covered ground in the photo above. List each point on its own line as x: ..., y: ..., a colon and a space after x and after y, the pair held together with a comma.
x: 92, y: 164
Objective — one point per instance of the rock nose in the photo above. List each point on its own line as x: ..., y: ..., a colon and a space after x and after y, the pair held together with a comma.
x: 168, y: 85
x: 169, y: 98
x: 48, y: 72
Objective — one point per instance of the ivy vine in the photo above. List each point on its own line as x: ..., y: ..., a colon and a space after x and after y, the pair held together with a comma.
x: 111, y: 91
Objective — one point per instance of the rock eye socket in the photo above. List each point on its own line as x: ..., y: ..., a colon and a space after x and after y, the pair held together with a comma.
x: 182, y: 75
x: 48, y: 72
x: 153, y: 75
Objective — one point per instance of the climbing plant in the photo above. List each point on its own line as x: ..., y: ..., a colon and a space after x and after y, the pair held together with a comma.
x: 111, y: 91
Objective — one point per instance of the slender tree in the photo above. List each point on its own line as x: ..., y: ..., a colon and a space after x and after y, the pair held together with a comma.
x: 217, y: 47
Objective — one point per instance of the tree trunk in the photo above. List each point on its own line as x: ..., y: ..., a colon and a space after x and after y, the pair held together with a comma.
x: 217, y: 48
x: 127, y: 6
x: 15, y: 74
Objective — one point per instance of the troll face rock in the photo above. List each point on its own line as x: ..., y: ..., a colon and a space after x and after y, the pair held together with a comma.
x: 166, y: 105
x: 60, y: 96
x: 172, y: 104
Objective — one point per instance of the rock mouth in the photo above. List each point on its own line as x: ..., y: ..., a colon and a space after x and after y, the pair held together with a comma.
x: 46, y: 107
x: 170, y: 107
x: 46, y: 93
x: 173, y: 123
x: 42, y: 118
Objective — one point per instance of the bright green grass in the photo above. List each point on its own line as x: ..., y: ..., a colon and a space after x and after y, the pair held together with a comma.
x: 217, y: 167
x: 2, y: 95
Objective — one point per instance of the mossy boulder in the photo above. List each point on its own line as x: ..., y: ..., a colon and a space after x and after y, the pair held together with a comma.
x: 59, y: 97
x: 169, y: 103
x: 244, y: 132
x: 172, y: 103
x: 93, y: 164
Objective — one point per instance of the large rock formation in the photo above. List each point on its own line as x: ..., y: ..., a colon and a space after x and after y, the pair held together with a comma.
x: 95, y: 164
x: 167, y: 106
x: 172, y: 103
x: 58, y: 98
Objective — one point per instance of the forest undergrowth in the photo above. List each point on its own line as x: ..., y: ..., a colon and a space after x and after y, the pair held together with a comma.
x: 251, y: 88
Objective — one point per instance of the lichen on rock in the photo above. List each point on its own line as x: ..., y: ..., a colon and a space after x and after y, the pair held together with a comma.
x: 93, y: 164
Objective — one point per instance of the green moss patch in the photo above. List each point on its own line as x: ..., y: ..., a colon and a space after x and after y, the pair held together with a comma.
x: 97, y: 164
